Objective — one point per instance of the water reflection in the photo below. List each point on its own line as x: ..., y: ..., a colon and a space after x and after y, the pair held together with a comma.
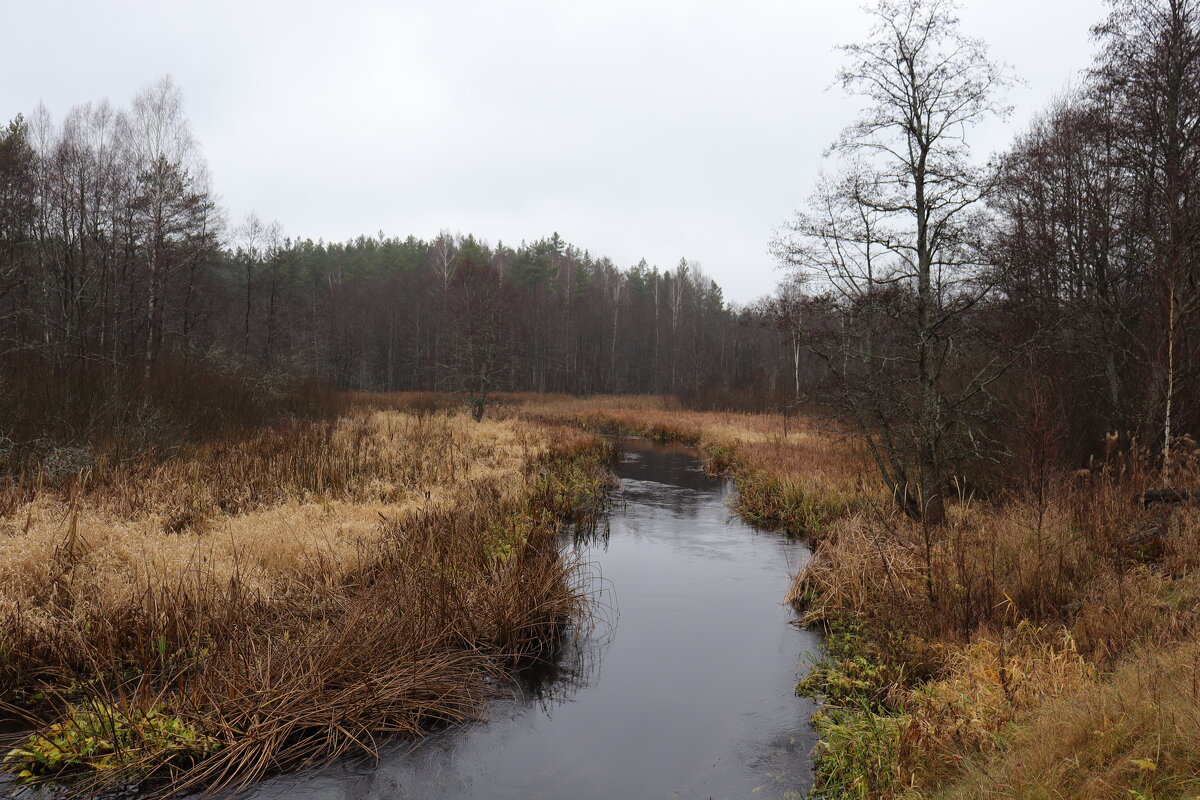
x: 668, y: 466
x: 685, y: 693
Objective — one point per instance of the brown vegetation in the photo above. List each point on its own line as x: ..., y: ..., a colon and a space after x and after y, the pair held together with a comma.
x: 791, y: 473
x: 297, y: 594
x: 275, y: 600
x: 972, y: 640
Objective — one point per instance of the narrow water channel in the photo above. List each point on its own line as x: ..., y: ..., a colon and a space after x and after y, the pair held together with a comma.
x: 683, y: 690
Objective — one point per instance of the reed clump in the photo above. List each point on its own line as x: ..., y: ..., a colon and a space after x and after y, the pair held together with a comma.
x: 285, y: 598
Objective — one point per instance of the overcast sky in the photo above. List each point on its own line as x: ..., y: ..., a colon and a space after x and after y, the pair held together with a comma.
x: 634, y: 128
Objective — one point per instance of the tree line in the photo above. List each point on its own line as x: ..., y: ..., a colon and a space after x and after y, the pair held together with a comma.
x: 456, y: 314
x: 119, y: 268
x: 962, y: 314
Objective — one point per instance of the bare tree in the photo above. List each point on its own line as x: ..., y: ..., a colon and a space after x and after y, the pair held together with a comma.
x: 1066, y: 253
x: 894, y: 238
x: 787, y: 312
x: 250, y: 238
x: 481, y: 311
x: 260, y: 255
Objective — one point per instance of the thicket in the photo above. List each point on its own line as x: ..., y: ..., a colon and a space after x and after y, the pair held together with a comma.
x: 951, y: 306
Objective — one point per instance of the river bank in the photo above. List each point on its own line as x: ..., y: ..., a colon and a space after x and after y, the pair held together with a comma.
x: 1043, y: 643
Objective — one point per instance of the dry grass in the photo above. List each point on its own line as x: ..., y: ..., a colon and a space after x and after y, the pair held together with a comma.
x: 790, y: 473
x: 294, y: 595
x: 1134, y: 735
x: 973, y: 631
x: 983, y: 688
x: 1088, y: 556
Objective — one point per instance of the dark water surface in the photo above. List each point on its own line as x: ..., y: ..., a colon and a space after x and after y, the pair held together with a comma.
x: 684, y: 691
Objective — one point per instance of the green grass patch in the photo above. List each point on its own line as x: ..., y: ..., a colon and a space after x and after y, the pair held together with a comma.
x: 858, y: 754
x: 97, y: 737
